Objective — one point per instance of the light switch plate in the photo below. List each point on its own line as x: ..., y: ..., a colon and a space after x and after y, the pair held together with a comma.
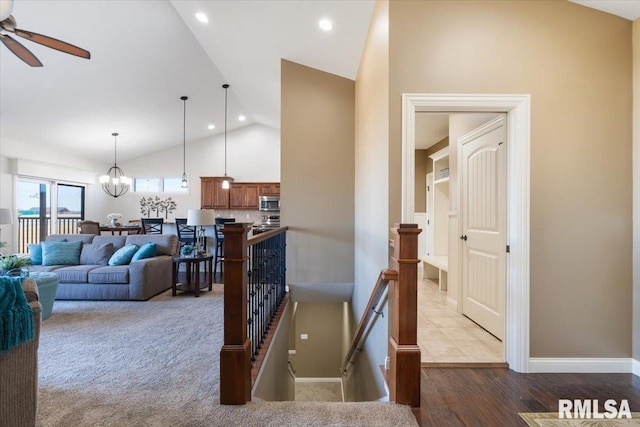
x: 304, y: 336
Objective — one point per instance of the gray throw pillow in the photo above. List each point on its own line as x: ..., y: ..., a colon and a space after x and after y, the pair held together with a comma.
x: 96, y: 254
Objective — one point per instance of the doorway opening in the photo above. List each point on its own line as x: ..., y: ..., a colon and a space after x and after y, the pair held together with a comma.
x: 517, y: 112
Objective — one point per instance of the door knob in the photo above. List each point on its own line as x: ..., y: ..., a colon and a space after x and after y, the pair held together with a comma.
x: 463, y: 237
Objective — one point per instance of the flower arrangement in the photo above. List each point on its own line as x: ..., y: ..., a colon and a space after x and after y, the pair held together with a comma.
x: 114, y: 218
x: 12, y: 265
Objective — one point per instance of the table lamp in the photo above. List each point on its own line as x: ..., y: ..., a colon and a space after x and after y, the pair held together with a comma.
x: 200, y: 217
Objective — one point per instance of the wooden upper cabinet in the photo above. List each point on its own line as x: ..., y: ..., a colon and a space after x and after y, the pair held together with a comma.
x: 269, y: 188
x: 243, y: 196
x: 212, y: 195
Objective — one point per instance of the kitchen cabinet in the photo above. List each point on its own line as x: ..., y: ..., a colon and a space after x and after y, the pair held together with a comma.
x: 212, y: 195
x: 269, y: 188
x: 243, y: 196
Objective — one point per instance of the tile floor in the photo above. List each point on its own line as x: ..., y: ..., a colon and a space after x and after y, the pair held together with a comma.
x: 444, y: 336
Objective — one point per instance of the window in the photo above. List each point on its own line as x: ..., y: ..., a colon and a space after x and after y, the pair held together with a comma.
x: 46, y: 207
x: 158, y: 185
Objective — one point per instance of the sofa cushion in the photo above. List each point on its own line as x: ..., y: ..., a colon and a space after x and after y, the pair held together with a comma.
x: 95, y: 254
x: 167, y: 244
x: 116, y: 241
x: 84, y: 238
x: 123, y: 255
x: 66, y: 253
x: 74, y: 274
x: 35, y: 253
x: 116, y: 274
x: 147, y: 250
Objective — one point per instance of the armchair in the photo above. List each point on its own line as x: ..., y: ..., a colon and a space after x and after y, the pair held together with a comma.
x: 19, y: 372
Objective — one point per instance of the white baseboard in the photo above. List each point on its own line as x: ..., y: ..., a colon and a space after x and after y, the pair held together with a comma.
x: 583, y: 365
x: 318, y: 380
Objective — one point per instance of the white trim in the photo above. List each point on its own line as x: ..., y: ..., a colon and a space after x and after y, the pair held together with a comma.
x: 635, y: 367
x: 318, y: 380
x: 518, y: 109
x: 582, y: 365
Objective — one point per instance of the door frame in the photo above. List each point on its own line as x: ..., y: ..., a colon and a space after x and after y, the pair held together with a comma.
x: 518, y: 133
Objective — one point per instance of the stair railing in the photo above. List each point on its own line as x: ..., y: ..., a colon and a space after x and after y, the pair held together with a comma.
x: 254, y: 297
x: 368, y: 317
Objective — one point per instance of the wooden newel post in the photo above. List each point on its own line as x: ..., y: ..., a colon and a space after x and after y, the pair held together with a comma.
x: 404, y: 376
x: 235, y: 355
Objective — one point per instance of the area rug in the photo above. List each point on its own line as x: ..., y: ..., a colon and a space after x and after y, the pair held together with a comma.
x: 550, y: 419
x: 156, y: 363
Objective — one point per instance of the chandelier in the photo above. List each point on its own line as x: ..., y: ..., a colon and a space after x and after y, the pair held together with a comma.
x: 115, y: 183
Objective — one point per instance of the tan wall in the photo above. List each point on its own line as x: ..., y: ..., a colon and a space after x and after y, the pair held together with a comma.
x: 317, y: 190
x: 372, y: 193
x: 636, y: 189
x: 424, y: 165
x: 576, y: 64
x: 274, y: 382
x: 319, y: 356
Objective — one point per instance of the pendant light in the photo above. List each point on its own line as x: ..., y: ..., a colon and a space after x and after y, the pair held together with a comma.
x: 115, y: 183
x: 184, y: 184
x: 225, y: 181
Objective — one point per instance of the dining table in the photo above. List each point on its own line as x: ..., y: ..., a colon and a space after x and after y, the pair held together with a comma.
x: 130, y: 229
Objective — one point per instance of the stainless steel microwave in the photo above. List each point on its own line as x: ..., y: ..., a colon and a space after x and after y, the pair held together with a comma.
x: 269, y: 203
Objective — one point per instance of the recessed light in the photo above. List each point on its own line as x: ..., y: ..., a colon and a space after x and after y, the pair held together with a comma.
x: 211, y: 127
x: 242, y: 118
x: 325, y: 24
x: 202, y: 17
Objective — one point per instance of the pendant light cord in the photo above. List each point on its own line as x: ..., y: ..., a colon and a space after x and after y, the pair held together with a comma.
x: 225, y: 86
x: 115, y: 149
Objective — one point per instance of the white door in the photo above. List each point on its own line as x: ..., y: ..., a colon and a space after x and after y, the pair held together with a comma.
x: 429, y: 230
x: 483, y: 169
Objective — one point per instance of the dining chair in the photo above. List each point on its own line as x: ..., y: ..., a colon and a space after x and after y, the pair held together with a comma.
x: 152, y: 225
x: 135, y: 222
x: 187, y: 233
x: 89, y: 227
x: 218, y: 255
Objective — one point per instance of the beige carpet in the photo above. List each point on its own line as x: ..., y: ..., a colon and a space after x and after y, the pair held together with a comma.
x: 550, y: 419
x: 156, y: 363
x: 318, y: 392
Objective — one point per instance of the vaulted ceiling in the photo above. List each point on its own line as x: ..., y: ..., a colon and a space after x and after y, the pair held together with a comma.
x: 146, y: 54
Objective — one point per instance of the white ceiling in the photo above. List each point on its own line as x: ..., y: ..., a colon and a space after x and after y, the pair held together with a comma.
x: 148, y: 53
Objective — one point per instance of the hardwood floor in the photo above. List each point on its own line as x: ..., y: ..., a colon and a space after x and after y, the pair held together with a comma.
x: 494, y: 396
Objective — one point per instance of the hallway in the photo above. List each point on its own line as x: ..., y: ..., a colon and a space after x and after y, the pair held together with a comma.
x: 444, y: 336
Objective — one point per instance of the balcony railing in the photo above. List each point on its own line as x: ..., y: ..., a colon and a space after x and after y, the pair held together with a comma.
x: 30, y: 228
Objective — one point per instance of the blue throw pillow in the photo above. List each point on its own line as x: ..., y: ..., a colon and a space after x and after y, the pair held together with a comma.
x: 61, y: 253
x: 35, y: 252
x: 147, y: 250
x: 123, y: 255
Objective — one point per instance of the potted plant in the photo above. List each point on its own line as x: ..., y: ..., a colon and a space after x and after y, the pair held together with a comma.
x: 12, y: 265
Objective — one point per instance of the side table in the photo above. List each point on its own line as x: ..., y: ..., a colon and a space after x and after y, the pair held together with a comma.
x: 47, y: 287
x: 193, y: 273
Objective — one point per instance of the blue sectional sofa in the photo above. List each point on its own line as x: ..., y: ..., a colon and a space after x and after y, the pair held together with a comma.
x: 92, y: 278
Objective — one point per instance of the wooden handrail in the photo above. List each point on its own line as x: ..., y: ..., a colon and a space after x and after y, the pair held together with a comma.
x: 257, y: 238
x: 384, y: 278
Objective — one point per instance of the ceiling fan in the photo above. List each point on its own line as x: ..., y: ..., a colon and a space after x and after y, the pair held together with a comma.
x: 8, y: 25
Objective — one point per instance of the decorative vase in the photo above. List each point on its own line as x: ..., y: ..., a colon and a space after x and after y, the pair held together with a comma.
x: 114, y: 222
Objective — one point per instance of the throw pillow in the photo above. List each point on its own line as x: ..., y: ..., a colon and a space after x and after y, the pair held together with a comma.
x: 61, y: 253
x: 35, y: 252
x: 123, y: 255
x: 148, y: 250
x: 93, y: 254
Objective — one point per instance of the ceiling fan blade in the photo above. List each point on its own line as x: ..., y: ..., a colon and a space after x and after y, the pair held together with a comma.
x: 53, y: 43
x: 20, y: 51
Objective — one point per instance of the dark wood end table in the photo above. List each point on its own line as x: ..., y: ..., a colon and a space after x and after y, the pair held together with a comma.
x: 193, y: 273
